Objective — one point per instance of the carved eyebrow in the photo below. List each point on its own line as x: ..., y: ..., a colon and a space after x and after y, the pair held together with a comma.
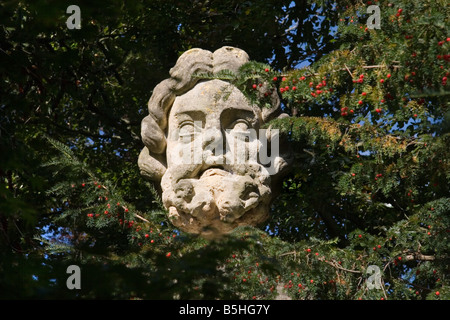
x: 230, y: 116
x: 193, y: 115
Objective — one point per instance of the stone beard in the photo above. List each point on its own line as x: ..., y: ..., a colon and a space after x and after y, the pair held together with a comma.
x: 202, y: 145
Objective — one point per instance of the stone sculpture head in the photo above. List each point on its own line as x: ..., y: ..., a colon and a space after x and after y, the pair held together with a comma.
x: 201, y: 138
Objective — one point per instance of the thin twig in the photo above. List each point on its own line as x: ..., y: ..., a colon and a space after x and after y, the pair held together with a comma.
x: 142, y: 218
x: 337, y: 266
x: 348, y: 71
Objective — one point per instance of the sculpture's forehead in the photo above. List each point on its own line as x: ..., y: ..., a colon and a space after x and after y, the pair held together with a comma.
x: 212, y: 96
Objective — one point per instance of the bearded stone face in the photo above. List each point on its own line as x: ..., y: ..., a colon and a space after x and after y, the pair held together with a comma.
x: 205, y: 147
x: 213, y: 183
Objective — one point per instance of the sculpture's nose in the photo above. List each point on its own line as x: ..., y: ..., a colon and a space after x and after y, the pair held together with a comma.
x: 212, y: 139
x: 212, y: 145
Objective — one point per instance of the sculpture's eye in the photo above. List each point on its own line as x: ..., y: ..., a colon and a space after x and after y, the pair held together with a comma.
x: 187, y: 129
x: 240, y: 126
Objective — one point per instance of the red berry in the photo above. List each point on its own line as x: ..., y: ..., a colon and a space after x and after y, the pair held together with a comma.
x: 438, y: 293
x: 294, y: 88
x: 266, y: 70
x: 254, y: 86
x: 364, y: 94
x: 399, y: 10
x: 388, y: 75
x: 359, y: 236
x: 382, y: 81
x: 275, y: 78
x: 360, y: 102
x: 147, y: 235
x: 168, y: 254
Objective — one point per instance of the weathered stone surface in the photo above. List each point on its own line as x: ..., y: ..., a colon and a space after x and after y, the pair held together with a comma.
x: 188, y: 137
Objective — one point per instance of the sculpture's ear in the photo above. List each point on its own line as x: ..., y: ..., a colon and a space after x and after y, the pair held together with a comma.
x: 152, y: 135
x: 152, y: 166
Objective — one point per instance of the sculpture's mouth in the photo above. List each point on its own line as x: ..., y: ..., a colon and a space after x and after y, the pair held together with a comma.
x: 212, y: 171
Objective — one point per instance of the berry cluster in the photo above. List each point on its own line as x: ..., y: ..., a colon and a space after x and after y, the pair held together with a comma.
x: 108, y: 210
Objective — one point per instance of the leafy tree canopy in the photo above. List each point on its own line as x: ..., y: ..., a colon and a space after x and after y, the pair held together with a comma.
x: 369, y: 125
